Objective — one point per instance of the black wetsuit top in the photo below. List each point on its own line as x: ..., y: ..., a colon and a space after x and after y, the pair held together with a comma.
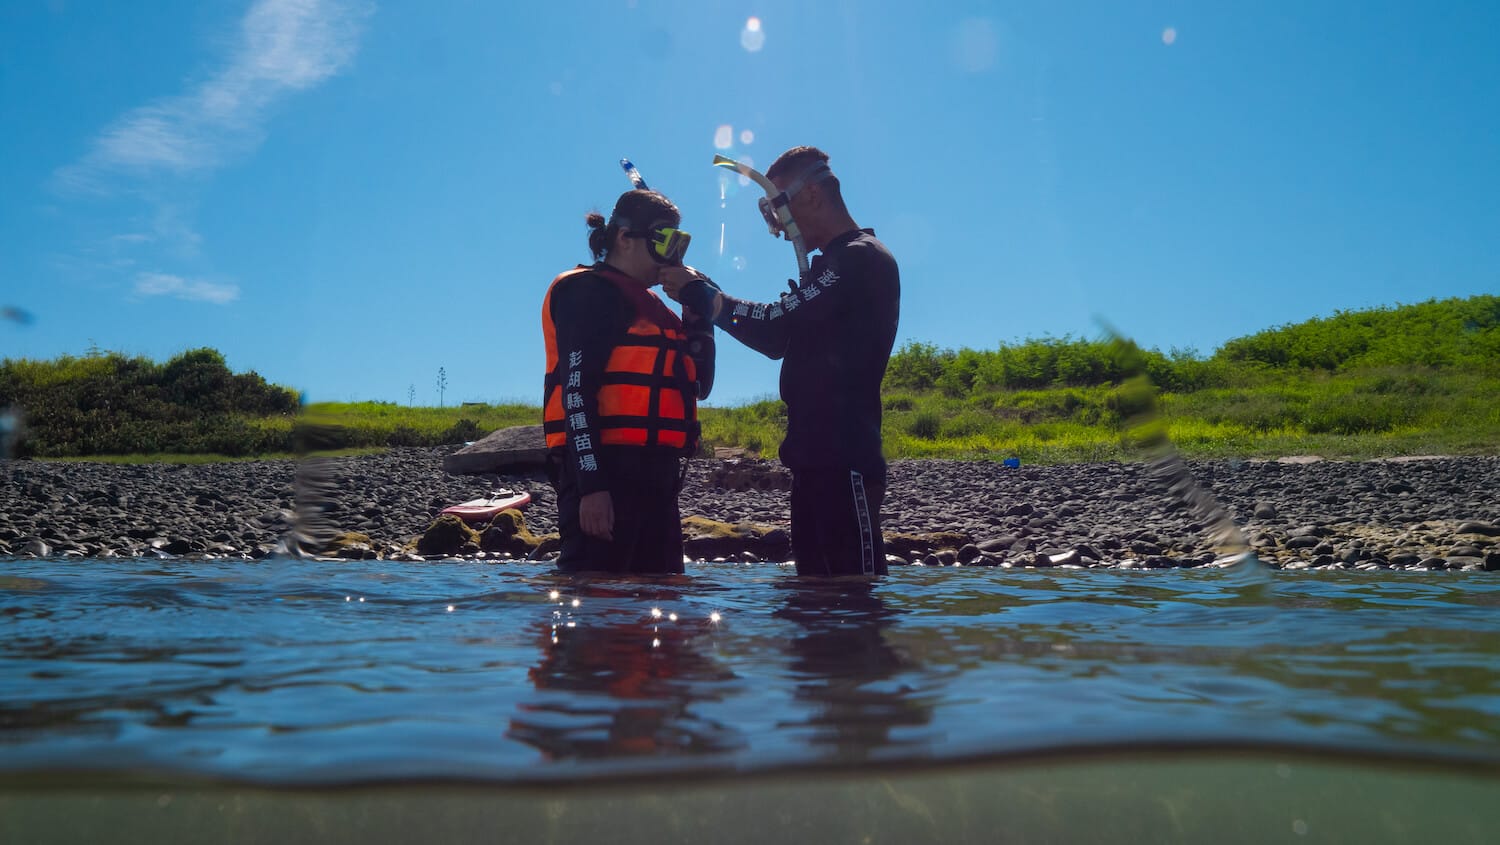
x: 834, y: 336
x: 590, y: 315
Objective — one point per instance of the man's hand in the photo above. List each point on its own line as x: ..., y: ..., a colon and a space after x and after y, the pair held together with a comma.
x: 596, y: 514
x: 673, y: 279
x: 692, y: 289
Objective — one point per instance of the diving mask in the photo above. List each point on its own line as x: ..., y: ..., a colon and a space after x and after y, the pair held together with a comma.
x: 667, y: 244
x: 770, y: 206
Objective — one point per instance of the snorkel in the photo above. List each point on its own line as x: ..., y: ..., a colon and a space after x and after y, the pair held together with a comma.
x: 667, y: 246
x: 667, y: 243
x: 775, y: 205
x: 634, y: 175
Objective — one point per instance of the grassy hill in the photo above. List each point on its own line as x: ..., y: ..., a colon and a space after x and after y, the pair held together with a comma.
x: 1411, y: 379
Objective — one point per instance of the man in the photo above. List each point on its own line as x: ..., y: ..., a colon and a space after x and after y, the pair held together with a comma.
x: 619, y: 403
x: 834, y: 334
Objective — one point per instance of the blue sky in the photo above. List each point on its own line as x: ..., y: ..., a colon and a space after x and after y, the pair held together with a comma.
x: 347, y: 196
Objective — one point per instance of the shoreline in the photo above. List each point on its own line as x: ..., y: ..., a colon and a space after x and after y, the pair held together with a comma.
x: 1422, y: 512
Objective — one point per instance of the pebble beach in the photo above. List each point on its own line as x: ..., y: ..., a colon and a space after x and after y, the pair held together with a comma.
x: 1406, y: 513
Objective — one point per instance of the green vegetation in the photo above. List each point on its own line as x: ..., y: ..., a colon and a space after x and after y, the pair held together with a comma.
x: 192, y: 408
x: 352, y: 425
x: 1416, y: 379
x: 104, y: 404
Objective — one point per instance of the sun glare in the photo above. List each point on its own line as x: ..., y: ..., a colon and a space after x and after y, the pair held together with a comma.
x: 751, y: 37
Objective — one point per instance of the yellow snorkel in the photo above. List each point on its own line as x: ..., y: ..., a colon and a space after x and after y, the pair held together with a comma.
x: 774, y: 207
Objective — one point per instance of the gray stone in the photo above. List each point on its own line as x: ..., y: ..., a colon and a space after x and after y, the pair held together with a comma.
x: 997, y: 544
x: 1265, y: 510
x: 515, y: 448
x: 1484, y: 528
x: 1068, y: 558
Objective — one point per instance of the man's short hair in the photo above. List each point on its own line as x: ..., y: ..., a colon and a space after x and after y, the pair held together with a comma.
x: 795, y: 161
x: 798, y: 160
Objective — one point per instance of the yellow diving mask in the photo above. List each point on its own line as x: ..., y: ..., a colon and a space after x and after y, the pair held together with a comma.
x: 668, y: 244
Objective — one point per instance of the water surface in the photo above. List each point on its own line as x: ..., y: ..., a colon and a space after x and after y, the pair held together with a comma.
x: 293, y: 675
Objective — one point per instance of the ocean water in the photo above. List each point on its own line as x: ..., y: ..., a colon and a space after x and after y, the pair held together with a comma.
x: 291, y: 700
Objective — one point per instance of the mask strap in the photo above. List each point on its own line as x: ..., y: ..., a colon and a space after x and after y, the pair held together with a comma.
x: 817, y: 173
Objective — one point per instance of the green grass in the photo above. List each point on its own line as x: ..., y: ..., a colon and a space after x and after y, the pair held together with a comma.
x: 1387, y: 412
x: 207, y: 458
x: 1383, y: 413
x: 1411, y: 379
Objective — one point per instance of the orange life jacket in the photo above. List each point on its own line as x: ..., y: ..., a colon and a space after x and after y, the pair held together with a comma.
x: 648, y: 395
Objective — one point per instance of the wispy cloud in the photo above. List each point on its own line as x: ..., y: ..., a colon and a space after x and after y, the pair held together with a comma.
x: 193, y: 290
x: 284, y: 46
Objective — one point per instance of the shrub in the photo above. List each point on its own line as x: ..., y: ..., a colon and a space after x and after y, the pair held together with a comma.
x: 925, y: 425
x: 1353, y: 414
x: 463, y: 431
x: 916, y: 366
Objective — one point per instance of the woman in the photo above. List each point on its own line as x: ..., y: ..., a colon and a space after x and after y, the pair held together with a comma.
x: 624, y: 375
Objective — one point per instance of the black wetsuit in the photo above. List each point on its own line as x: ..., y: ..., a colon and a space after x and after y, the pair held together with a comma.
x: 591, y: 315
x: 834, y: 336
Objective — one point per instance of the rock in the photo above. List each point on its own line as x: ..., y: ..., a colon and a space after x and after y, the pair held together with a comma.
x: 548, y: 548
x: 968, y: 553
x: 1484, y: 528
x: 351, y: 545
x: 907, y: 545
x: 1264, y: 510
x: 507, y: 532
x: 1304, y: 541
x: 503, y: 450
x: 1068, y: 558
x: 748, y: 474
x: 447, y: 535
x: 706, y: 539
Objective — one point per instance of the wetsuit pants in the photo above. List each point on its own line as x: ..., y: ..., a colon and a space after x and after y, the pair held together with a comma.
x: 836, y: 522
x: 648, y: 526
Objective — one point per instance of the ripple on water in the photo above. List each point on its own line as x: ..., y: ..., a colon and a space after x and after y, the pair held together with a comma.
x: 290, y: 671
